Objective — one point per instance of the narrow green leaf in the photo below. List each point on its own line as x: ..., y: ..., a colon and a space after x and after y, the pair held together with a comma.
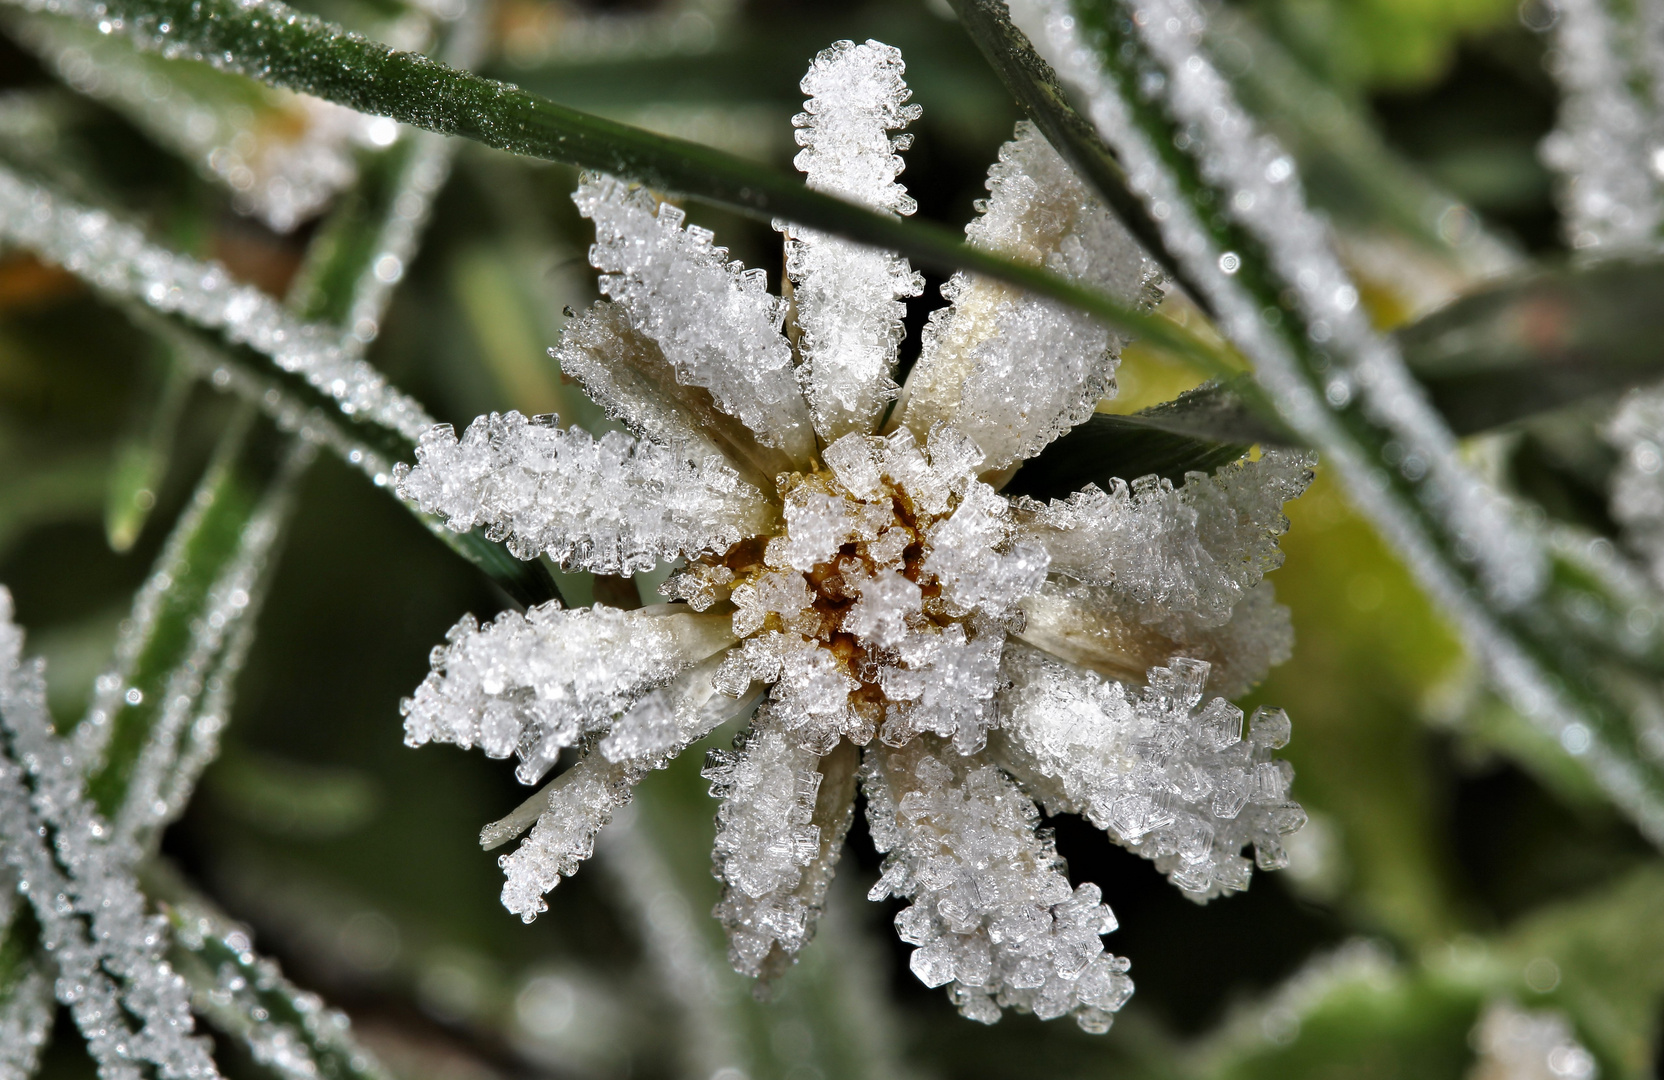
x: 143, y: 453
x: 1521, y: 347
x: 246, y: 996
x: 1198, y: 432
x: 272, y: 42
x: 202, y: 585
x: 295, y: 405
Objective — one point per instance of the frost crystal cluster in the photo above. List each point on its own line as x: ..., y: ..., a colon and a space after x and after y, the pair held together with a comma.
x: 851, y: 576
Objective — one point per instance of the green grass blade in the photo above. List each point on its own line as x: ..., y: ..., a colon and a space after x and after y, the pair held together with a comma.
x: 272, y: 42
x: 204, y: 584
x: 142, y: 455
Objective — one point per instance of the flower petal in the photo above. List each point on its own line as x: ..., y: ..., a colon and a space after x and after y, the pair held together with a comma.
x: 993, y: 915
x: 1011, y: 370
x: 780, y: 830
x: 714, y: 320
x: 533, y: 684
x: 848, y: 297
x: 613, y: 505
x: 1168, y: 776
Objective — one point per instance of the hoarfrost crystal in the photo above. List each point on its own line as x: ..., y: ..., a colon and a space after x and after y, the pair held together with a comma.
x: 869, y: 584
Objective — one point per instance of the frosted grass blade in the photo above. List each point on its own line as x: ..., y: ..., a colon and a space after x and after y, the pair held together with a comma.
x: 144, y: 452
x: 274, y: 43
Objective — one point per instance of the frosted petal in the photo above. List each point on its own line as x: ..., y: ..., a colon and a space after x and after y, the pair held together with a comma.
x: 993, y: 914
x: 1110, y: 633
x: 590, y: 792
x: 1010, y: 370
x: 780, y: 827
x: 714, y: 320
x: 945, y: 685
x: 533, y: 684
x: 1167, y: 774
x: 613, y: 505
x: 847, y: 297
x: 1196, y: 549
x: 625, y: 372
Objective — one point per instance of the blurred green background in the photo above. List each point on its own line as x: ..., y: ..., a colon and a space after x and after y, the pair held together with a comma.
x: 1448, y: 863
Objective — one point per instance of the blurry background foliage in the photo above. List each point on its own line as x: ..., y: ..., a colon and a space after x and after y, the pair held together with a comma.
x: 1449, y: 859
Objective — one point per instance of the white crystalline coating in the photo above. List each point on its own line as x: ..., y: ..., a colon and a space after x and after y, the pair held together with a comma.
x: 1166, y: 775
x: 810, y: 694
x: 116, y: 259
x: 1636, y: 431
x: 1528, y: 1044
x: 613, y: 505
x: 714, y: 320
x: 847, y: 298
x: 564, y: 836
x: 973, y: 557
x: 766, y: 838
x: 1605, y: 143
x: 108, y: 950
x: 992, y: 913
x: 1008, y: 369
x: 283, y: 156
x: 26, y: 1013
x: 675, y: 715
x: 945, y: 685
x: 1199, y: 548
x: 533, y: 684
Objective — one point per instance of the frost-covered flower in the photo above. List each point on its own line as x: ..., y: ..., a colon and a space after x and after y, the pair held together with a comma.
x: 853, y: 578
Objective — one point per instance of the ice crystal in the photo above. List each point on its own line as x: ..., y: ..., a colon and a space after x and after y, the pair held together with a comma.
x: 613, y: 505
x: 980, y: 369
x: 878, y: 593
x: 993, y: 914
x: 848, y: 297
x: 1165, y: 774
x: 534, y: 684
x: 713, y: 319
x: 108, y: 950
